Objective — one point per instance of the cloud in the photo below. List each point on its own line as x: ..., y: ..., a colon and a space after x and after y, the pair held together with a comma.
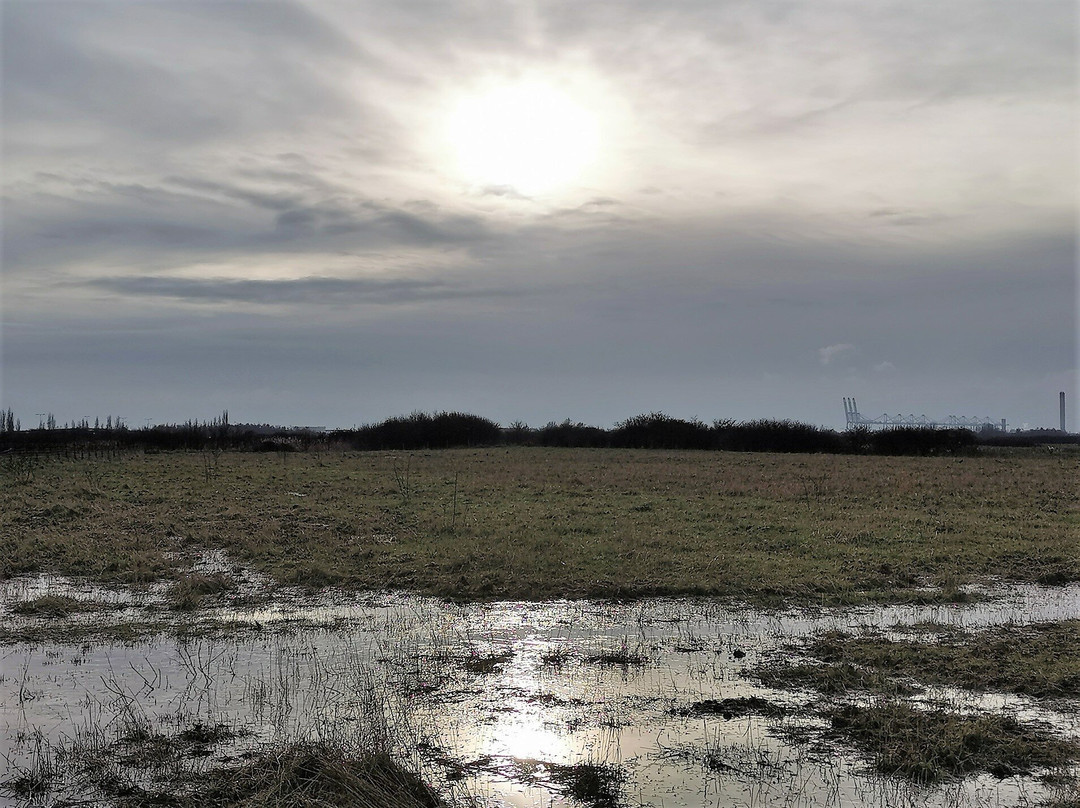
x: 505, y: 191
x: 76, y: 221
x: 202, y: 72
x: 309, y: 290
x: 832, y: 353
x: 786, y: 175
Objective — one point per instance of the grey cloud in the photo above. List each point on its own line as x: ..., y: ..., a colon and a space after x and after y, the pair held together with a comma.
x: 775, y: 68
x: 832, y: 353
x: 274, y: 202
x: 202, y: 71
x: 421, y: 230
x: 82, y: 220
x: 507, y: 191
x: 308, y: 290
x: 908, y: 217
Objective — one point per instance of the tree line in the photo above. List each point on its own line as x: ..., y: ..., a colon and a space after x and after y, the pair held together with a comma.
x: 444, y: 430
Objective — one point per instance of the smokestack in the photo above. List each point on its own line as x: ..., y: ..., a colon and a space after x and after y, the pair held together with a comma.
x: 1061, y: 402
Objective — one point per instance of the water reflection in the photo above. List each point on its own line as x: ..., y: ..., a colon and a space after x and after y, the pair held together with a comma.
x: 500, y: 696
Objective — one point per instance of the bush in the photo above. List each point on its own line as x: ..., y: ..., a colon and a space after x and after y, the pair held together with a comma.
x: 659, y: 431
x: 420, y: 430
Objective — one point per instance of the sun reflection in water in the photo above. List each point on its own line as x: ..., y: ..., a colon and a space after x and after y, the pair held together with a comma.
x: 526, y: 736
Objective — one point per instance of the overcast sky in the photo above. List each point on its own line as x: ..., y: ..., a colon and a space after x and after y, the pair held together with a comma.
x: 757, y: 208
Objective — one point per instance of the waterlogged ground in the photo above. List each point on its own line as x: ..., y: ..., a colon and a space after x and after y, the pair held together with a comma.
x: 658, y: 702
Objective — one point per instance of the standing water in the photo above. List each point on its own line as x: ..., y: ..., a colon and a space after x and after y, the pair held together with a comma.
x: 509, y: 704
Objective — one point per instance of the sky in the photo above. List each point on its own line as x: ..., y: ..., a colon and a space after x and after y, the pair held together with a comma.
x: 318, y: 213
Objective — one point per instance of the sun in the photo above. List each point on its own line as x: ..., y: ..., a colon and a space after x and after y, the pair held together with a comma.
x: 528, y: 136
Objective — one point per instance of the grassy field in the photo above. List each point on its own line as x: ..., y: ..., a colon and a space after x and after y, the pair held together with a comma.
x: 535, y: 523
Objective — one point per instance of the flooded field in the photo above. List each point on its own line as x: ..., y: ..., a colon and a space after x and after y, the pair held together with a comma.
x: 658, y: 702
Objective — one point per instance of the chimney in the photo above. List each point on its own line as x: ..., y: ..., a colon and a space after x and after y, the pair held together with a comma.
x: 1061, y: 401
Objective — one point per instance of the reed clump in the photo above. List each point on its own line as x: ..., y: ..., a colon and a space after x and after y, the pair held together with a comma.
x: 314, y: 775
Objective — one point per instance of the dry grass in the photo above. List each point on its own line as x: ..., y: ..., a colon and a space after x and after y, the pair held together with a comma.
x: 58, y: 606
x: 313, y: 776
x: 539, y: 523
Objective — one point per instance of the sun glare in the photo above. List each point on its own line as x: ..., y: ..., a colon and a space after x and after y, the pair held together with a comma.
x: 528, y: 136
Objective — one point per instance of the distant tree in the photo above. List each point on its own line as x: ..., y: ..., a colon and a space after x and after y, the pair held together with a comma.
x: 518, y: 433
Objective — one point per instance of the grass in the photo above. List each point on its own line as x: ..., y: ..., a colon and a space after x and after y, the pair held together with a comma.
x: 298, y: 775
x: 189, y: 591
x: 595, y: 785
x: 733, y: 708
x: 931, y: 746
x: 312, y: 775
x: 620, y: 656
x: 135, y: 761
x: 485, y: 664
x: 838, y: 679
x: 1040, y: 660
x: 58, y: 606
x: 533, y: 523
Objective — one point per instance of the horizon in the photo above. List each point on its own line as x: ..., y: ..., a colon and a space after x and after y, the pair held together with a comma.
x: 323, y: 213
x: 109, y: 421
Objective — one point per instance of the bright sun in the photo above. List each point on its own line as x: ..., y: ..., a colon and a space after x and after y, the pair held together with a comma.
x: 529, y: 136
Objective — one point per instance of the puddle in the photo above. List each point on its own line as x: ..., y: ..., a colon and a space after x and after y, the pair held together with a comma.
x: 518, y: 704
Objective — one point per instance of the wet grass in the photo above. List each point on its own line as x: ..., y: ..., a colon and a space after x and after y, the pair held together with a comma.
x: 190, y: 590
x: 300, y: 775
x: 733, y: 708
x: 589, y: 784
x: 482, y: 664
x: 836, y: 679
x: 1040, y: 660
x: 314, y: 774
x: 124, y: 632
x: 58, y: 606
x: 931, y: 746
x: 595, y: 785
x: 624, y: 656
x: 530, y: 523
x: 133, y: 761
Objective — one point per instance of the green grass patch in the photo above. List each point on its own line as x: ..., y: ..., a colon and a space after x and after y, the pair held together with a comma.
x: 537, y: 523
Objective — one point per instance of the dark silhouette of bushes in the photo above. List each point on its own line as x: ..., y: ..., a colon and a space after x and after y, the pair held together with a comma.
x: 445, y: 430
x: 573, y: 435
x: 923, y: 441
x: 777, y: 436
x: 420, y: 430
x: 659, y: 431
